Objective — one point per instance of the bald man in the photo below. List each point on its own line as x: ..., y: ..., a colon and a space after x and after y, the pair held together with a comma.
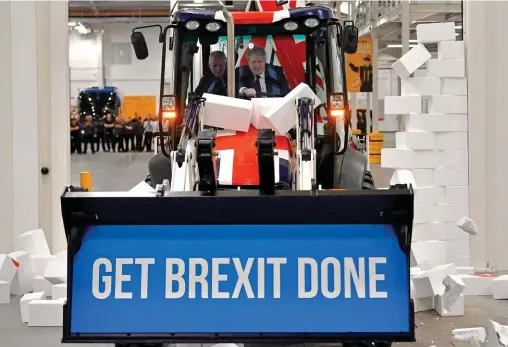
x: 214, y: 81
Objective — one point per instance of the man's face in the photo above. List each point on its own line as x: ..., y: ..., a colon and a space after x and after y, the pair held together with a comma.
x: 366, y: 62
x: 217, y: 66
x: 108, y: 117
x: 257, y: 64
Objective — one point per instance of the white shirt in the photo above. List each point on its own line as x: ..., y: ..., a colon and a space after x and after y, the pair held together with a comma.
x: 262, y: 82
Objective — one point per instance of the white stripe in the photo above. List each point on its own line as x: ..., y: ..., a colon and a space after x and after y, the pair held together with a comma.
x: 220, y: 133
x: 219, y: 15
x: 226, y: 166
x: 280, y: 15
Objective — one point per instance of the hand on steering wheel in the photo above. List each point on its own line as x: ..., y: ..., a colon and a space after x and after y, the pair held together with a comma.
x: 252, y: 93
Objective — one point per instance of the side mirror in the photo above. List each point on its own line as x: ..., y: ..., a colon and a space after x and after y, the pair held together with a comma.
x: 139, y: 44
x: 350, y: 38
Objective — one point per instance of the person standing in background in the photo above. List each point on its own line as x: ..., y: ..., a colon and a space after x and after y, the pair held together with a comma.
x: 75, y: 135
x: 109, y: 124
x: 148, y: 126
x: 100, y: 134
x: 129, y: 136
x: 138, y: 133
x: 89, y: 134
x: 118, y: 134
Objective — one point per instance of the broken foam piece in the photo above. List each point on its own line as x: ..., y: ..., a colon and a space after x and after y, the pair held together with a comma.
x: 468, y: 225
x: 467, y: 334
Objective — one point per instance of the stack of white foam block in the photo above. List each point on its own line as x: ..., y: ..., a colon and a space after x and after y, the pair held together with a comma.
x: 38, y: 276
x: 496, y: 335
x: 432, y: 154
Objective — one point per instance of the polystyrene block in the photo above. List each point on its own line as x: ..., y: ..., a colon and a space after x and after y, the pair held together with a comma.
x: 408, y: 159
x: 403, y: 104
x: 430, y: 282
x: 436, y: 122
x: 500, y: 288
x: 40, y: 262
x: 425, y: 86
x: 45, y: 313
x: 260, y: 107
x: 7, y: 268
x: 5, y: 292
x: 454, y: 159
x: 467, y: 225
x: 411, y: 61
x: 429, y: 232
x: 448, y: 104
x: 451, y: 177
x: 34, y: 242
x: 428, y: 254
x: 283, y: 116
x: 40, y: 284
x: 423, y: 177
x: 450, y: 50
x: 444, y: 310
x: 457, y: 248
x: 457, y: 195
x: 417, y: 140
x: 463, y: 262
x: 142, y: 187
x: 465, y: 270
x: 497, y: 334
x: 477, y: 284
x: 419, y: 254
x: 59, y: 291
x: 424, y: 214
x: 435, y: 32
x: 22, y: 281
x: 450, y: 213
x: 451, y: 141
x: 446, y: 68
x: 56, y: 271
x: 25, y: 300
x: 468, y: 334
x: 423, y: 304
x: 225, y: 112
x: 453, y: 232
x: 454, y: 86
x: 402, y: 176
x: 62, y: 256
x: 390, y: 123
x: 420, y: 72
x: 429, y: 196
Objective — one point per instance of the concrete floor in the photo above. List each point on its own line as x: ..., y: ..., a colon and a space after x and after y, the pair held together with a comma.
x: 432, y: 330
x: 122, y: 171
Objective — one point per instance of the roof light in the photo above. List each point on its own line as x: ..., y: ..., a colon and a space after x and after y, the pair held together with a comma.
x: 192, y: 25
x: 213, y: 26
x: 290, y: 26
x: 311, y: 22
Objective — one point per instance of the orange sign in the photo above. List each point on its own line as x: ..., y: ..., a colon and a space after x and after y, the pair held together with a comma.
x: 359, y: 67
x: 140, y: 104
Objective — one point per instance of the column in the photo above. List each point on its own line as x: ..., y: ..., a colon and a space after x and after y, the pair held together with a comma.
x: 35, y: 119
x: 486, y: 51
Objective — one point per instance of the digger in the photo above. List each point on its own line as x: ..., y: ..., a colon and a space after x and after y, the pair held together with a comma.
x: 278, y: 253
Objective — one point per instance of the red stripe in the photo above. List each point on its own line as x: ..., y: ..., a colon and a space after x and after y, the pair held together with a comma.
x: 253, y: 17
x: 245, y: 160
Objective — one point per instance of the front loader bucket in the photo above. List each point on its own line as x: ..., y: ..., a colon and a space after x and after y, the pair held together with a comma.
x: 294, y: 267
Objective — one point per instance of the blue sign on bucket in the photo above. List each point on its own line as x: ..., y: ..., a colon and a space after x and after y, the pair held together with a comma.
x: 240, y: 279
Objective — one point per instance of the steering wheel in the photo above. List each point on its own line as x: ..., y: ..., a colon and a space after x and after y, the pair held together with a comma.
x: 258, y: 95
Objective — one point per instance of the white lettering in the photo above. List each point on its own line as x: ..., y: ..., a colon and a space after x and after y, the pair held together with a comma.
x: 120, y: 278
x: 105, y: 279
x: 374, y: 277
x: 201, y: 278
x: 261, y: 278
x: 357, y: 276
x: 178, y: 277
x: 217, y: 277
x: 243, y: 278
x: 325, y: 289
x: 144, y: 262
x: 276, y: 262
x: 302, y: 263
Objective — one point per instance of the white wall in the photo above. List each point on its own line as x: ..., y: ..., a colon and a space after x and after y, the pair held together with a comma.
x: 93, y: 55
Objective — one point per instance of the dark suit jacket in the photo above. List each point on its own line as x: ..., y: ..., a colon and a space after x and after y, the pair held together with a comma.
x: 276, y: 82
x: 212, y: 85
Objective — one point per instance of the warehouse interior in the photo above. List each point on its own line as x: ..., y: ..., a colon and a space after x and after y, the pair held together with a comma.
x: 433, y: 117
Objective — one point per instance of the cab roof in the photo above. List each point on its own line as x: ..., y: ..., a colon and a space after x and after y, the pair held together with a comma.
x: 265, y: 17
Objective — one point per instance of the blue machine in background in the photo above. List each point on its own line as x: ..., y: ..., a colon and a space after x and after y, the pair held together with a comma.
x: 97, y: 102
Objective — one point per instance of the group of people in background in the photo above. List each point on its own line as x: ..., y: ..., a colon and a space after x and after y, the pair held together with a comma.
x: 113, y: 133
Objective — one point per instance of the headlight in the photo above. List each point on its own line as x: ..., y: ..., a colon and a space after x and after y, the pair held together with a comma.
x: 311, y: 22
x: 290, y: 26
x: 192, y: 25
x: 213, y: 26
